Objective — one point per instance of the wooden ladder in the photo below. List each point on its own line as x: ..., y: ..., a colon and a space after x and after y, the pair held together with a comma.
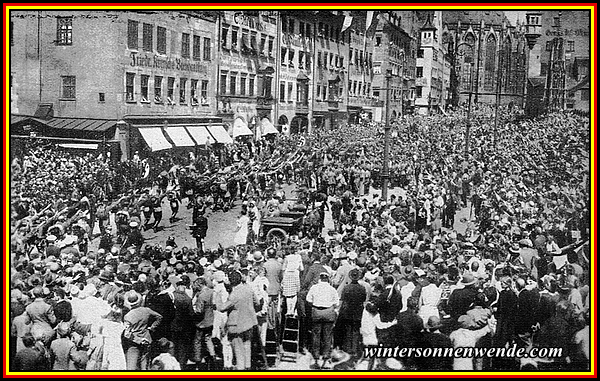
x: 290, y: 342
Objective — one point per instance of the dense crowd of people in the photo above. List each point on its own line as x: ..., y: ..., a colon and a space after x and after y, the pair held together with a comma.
x: 392, y: 273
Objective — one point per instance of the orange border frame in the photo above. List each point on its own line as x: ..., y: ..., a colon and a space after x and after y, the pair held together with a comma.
x: 592, y: 7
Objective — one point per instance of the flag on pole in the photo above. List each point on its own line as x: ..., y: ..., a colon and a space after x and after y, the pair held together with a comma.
x: 369, y: 19
x: 347, y: 22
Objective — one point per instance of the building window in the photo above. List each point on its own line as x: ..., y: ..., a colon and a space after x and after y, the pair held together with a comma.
x: 251, y: 85
x: 158, y: 89
x: 326, y: 33
x: 207, y: 53
x: 301, y: 28
x: 556, y: 21
x: 223, y: 84
x: 435, y: 55
x: 196, y: 48
x: 263, y: 43
x: 194, y: 92
x: 318, y: 59
x: 232, y: 82
x: 549, y: 46
x: 419, y: 93
x: 300, y: 60
x: 243, y: 79
x: 185, y: 45
x: 271, y: 46
x: 377, y: 40
x: 234, y: 38
x: 101, y: 97
x: 132, y: 34
x: 490, y: 63
x: 291, y: 55
x: 161, y: 40
x: 170, y: 89
x: 292, y: 26
x: 585, y: 94
x: 144, y: 79
x: 290, y: 91
x: 253, y: 43
x: 204, y: 92
x: 129, y: 83
x: 245, y: 42
x: 284, y: 24
x: 570, y: 46
x: 224, y: 32
x: 341, y: 62
x: 64, y: 30
x: 281, y: 92
x: 420, y: 53
x: 283, y: 53
x: 182, y: 85
x: 147, y: 37
x: 420, y: 72
x: 308, y: 31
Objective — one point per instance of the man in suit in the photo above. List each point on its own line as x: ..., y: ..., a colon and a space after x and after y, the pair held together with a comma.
x: 389, y: 304
x: 241, y: 320
x: 310, y: 278
x: 461, y: 300
x: 182, y: 327
x: 352, y: 300
x: 528, y: 304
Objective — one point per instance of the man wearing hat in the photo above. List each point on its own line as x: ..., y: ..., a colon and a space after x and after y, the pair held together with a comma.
x: 199, y: 228
x: 352, y: 301
x: 466, y: 336
x: 461, y: 299
x: 342, y: 274
x: 433, y: 338
x: 182, y: 328
x: 134, y: 237
x: 140, y: 322
x: 323, y: 299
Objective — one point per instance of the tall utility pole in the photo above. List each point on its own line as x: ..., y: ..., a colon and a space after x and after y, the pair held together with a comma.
x: 387, y: 128
x: 481, y: 25
x: 498, y: 83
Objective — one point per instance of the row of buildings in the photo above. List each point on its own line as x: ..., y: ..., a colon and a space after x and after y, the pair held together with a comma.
x: 252, y: 72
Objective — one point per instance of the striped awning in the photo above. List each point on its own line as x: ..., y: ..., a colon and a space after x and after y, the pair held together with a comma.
x: 180, y: 137
x: 220, y: 135
x: 155, y: 138
x: 200, y: 135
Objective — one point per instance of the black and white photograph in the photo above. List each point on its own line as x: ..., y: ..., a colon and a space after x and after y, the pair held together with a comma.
x: 300, y: 190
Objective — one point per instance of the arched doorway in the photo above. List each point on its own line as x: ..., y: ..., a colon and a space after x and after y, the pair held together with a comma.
x: 393, y: 116
x: 299, y: 125
x: 283, y: 124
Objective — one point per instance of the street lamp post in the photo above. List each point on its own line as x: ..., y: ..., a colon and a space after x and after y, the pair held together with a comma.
x: 387, y: 128
x: 456, y: 53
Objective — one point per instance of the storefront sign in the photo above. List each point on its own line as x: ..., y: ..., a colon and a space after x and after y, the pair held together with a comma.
x: 568, y: 33
x: 237, y: 63
x: 168, y: 63
x: 251, y: 22
x: 296, y: 40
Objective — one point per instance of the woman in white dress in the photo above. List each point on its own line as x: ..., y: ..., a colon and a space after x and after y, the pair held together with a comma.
x: 112, y: 327
x: 429, y: 300
x: 292, y: 265
x: 242, y: 229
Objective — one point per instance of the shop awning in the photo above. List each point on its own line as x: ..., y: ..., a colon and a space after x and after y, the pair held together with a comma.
x: 220, y: 135
x: 240, y: 128
x: 155, y: 138
x: 200, y: 134
x: 179, y: 136
x: 90, y: 146
x: 267, y: 127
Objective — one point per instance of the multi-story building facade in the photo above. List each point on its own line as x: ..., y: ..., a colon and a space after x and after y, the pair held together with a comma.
x: 135, y: 68
x: 359, y: 64
x: 394, y: 52
x: 330, y: 77
x: 431, y: 66
x: 296, y: 71
x: 246, y: 66
x: 484, y: 50
x: 559, y: 64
